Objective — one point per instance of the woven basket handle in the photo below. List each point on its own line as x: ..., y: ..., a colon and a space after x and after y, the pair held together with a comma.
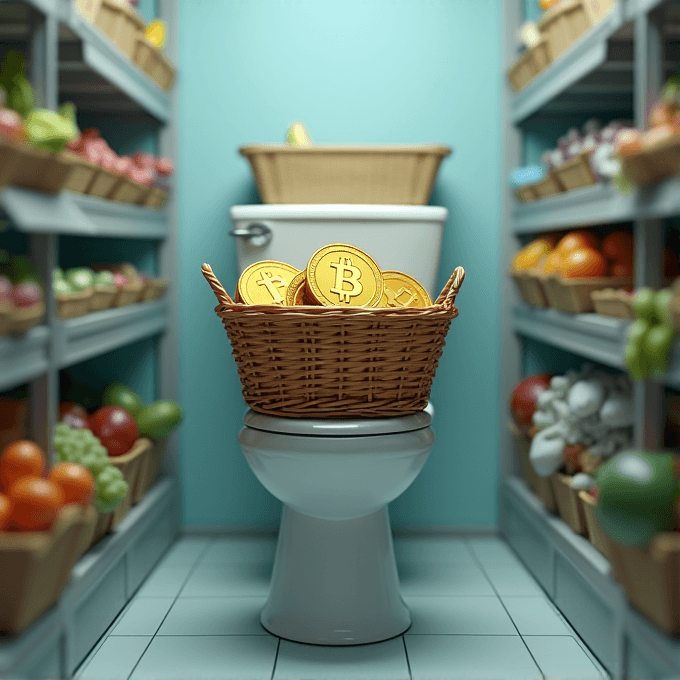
x: 448, y: 295
x: 221, y: 294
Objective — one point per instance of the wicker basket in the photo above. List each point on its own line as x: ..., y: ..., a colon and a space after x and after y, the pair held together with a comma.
x: 529, y: 65
x: 334, y: 362
x: 22, y: 319
x: 530, y: 287
x: 575, y: 295
x: 393, y: 175
x: 72, y: 305
x: 576, y: 173
x: 654, y: 163
x: 611, y: 302
x: 569, y: 506
x: 596, y: 534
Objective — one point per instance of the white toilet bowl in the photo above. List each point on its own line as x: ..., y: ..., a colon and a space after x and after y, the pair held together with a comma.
x: 335, y: 577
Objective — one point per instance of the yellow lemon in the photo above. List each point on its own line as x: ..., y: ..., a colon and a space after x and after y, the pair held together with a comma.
x: 155, y: 33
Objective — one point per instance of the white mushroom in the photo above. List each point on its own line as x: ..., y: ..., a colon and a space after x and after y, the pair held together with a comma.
x: 546, y: 450
x: 617, y: 411
x: 586, y: 397
x: 582, y: 482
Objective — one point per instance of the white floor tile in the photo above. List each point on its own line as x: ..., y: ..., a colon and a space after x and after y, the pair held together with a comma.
x: 535, y: 616
x: 418, y: 577
x: 115, y: 659
x: 562, y: 657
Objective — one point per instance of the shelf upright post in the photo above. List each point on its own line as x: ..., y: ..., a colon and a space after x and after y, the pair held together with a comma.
x: 512, y: 15
x: 44, y: 47
x: 648, y: 74
x: 168, y: 343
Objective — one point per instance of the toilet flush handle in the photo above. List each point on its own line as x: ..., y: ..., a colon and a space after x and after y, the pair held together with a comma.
x: 258, y: 234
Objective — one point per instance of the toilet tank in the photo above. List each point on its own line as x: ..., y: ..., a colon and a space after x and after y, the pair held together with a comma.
x: 398, y: 237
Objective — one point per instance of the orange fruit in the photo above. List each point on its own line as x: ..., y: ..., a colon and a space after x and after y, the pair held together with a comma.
x: 619, y: 246
x: 5, y: 511
x: 583, y: 263
x: 659, y: 115
x: 577, y: 239
x: 35, y: 504
x: 19, y: 459
x: 76, y: 482
x: 552, y: 263
x: 629, y: 142
x: 531, y: 255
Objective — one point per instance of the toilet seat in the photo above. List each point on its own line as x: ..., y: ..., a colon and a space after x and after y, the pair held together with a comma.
x: 351, y: 427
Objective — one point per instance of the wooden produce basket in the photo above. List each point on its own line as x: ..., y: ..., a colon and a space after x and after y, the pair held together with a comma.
x: 40, y: 171
x: 569, y: 506
x: 576, y: 173
x: 10, y: 155
x: 151, y: 60
x: 150, y: 470
x: 131, y: 465
x: 127, y: 191
x: 598, y: 9
x: 529, y: 65
x: 88, y: 9
x: 596, y: 534
x: 72, y: 305
x: 154, y: 198
x: 109, y: 16
x: 394, y: 175
x: 563, y: 24
x: 154, y: 289
x: 550, y: 185
x: 526, y: 194
x: 5, y: 318
x: 612, y: 302
x: 530, y: 287
x: 103, y: 184
x: 130, y: 27
x: 575, y: 295
x: 82, y: 173
x: 36, y: 566
x: 128, y: 294
x: 102, y: 297
x: 541, y: 486
x: 22, y: 319
x: 651, y: 578
x: 653, y: 163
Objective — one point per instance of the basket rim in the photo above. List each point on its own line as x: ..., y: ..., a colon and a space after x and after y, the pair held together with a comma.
x: 356, y: 149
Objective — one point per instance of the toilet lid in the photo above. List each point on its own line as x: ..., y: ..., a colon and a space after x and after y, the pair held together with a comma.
x: 351, y: 427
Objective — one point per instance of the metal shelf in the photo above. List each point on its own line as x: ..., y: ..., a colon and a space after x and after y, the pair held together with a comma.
x: 95, y: 334
x: 599, y: 204
x: 578, y: 579
x: 101, y: 583
x: 23, y: 357
x: 68, y: 213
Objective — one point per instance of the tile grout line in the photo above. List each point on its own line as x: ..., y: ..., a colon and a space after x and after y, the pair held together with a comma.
x: 475, y: 557
x: 276, y: 658
x: 191, y: 571
x: 408, y: 662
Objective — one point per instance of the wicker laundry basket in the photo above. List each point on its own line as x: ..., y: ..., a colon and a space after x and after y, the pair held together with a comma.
x: 337, y: 362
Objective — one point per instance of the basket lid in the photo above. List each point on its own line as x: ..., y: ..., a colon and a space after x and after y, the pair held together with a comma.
x: 350, y: 427
x: 339, y: 211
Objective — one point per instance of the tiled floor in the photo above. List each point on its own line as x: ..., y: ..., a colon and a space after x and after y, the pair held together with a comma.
x: 477, y: 615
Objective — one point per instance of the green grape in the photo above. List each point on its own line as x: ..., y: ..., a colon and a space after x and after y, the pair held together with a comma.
x: 636, y: 361
x: 657, y: 344
x: 638, y: 330
x: 643, y: 304
x: 107, y: 476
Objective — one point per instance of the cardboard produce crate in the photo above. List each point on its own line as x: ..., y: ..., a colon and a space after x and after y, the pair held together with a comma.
x: 40, y: 171
x: 653, y: 163
x: 150, y: 470
x: 5, y: 318
x: 72, y: 305
x: 10, y: 155
x: 541, y: 486
x: 129, y: 28
x: 103, y: 184
x: 131, y: 465
x: 154, y: 289
x: 154, y: 198
x: 526, y: 194
x: 575, y: 295
x: 88, y: 9
x: 530, y: 287
x: 550, y: 185
x: 563, y: 24
x: 127, y: 191
x: 82, y: 173
x: 596, y: 534
x: 651, y: 578
x: 36, y: 566
x: 529, y: 65
x: 21, y: 320
x: 569, y: 505
x: 612, y: 302
x: 576, y: 173
x: 102, y: 298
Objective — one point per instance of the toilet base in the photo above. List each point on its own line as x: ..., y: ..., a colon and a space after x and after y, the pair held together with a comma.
x: 335, y: 582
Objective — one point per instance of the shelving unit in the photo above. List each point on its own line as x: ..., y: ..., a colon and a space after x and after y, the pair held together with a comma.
x: 70, y: 60
x: 621, y: 64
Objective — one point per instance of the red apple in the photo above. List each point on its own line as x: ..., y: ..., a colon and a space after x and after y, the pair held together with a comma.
x: 5, y: 289
x: 11, y: 125
x: 164, y: 166
x: 119, y: 280
x: 26, y: 294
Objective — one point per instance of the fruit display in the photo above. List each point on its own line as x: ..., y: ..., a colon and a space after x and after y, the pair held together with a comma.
x: 21, y: 294
x: 649, y: 156
x: 651, y: 336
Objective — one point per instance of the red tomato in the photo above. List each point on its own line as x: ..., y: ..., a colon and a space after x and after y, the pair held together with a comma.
x: 72, y: 408
x: 35, y: 504
x: 618, y: 246
x: 524, y: 396
x: 116, y: 429
x: 20, y: 459
x: 5, y: 511
x: 583, y: 263
x: 580, y: 238
x: 621, y: 269
x: 76, y: 482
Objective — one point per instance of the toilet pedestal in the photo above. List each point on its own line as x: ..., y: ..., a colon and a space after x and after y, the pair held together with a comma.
x: 335, y: 582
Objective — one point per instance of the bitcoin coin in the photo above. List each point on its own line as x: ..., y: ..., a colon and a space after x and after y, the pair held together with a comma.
x: 342, y: 275
x: 295, y: 293
x: 265, y: 283
x: 402, y: 290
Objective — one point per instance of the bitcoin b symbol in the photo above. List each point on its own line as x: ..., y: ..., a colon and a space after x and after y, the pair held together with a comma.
x: 269, y: 281
x: 346, y: 272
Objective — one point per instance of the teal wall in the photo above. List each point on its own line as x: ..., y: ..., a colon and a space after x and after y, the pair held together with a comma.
x: 355, y: 71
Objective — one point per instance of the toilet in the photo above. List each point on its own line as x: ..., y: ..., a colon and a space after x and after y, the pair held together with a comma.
x: 334, y: 579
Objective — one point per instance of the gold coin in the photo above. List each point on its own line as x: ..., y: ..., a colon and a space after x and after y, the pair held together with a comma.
x: 402, y: 290
x: 344, y: 276
x: 295, y: 293
x: 265, y: 283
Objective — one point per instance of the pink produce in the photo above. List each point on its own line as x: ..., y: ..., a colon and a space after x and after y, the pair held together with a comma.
x: 164, y: 166
x: 26, y: 294
x: 108, y: 160
x: 119, y: 280
x: 143, y: 176
x: 5, y: 289
x: 143, y: 160
x: 11, y: 125
x: 123, y: 165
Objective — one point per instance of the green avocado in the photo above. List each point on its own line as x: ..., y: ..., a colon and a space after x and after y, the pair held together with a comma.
x: 638, y: 492
x: 159, y: 419
x: 117, y: 394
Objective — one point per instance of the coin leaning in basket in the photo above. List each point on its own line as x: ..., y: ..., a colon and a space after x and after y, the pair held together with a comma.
x: 317, y: 361
x: 336, y: 275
